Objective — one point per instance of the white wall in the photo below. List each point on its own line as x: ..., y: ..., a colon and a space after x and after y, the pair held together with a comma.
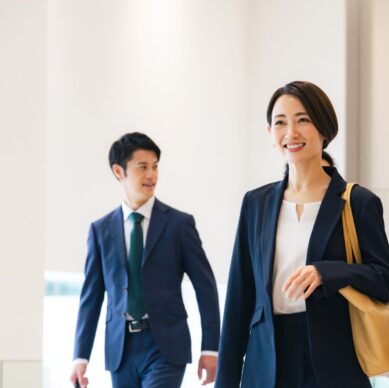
x: 197, y: 77
x: 22, y: 164
x: 175, y: 70
x: 293, y: 40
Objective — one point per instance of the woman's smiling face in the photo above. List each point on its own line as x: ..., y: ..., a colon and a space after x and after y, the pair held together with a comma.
x: 293, y: 131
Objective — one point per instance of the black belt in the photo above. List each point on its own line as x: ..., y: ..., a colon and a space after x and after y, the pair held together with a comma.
x: 138, y: 326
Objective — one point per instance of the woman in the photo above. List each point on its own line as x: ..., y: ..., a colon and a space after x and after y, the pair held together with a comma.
x: 285, y: 324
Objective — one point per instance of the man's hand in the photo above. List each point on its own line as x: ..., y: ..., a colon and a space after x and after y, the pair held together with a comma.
x: 78, y: 373
x: 302, y: 282
x: 209, y: 363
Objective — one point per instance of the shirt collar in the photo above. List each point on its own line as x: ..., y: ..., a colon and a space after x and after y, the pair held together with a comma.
x: 145, y: 209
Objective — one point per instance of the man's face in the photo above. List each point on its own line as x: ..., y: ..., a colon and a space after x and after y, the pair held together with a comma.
x: 140, y: 177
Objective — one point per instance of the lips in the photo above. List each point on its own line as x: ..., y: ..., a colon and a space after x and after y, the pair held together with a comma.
x: 295, y: 147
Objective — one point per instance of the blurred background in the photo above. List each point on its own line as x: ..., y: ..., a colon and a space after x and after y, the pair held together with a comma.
x: 195, y: 76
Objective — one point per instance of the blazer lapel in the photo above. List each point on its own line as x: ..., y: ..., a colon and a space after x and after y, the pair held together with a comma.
x: 329, y: 214
x: 271, y: 211
x: 117, y: 235
x: 158, y: 220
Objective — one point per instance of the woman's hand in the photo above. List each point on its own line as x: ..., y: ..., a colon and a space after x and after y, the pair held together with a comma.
x: 302, y: 282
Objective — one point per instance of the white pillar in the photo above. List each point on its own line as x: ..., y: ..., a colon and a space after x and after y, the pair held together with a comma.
x: 373, y: 99
x: 22, y: 170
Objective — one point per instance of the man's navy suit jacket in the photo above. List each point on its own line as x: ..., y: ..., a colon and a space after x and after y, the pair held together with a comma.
x: 247, y: 350
x: 172, y: 248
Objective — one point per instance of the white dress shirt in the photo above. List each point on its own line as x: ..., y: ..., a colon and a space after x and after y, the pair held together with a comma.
x: 145, y: 210
x: 292, y: 241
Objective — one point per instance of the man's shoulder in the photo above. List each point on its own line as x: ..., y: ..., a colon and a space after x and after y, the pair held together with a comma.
x: 161, y: 206
x: 107, y: 218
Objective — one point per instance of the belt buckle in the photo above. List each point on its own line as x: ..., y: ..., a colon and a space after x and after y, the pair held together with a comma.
x: 131, y: 329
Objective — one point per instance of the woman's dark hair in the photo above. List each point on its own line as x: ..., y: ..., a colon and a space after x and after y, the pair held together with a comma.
x: 328, y: 158
x: 315, y: 101
x: 123, y: 149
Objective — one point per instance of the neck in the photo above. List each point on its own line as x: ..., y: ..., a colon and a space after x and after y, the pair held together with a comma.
x: 134, y: 204
x: 307, y: 177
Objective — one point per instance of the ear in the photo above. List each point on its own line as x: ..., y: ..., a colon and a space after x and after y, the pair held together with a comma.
x: 269, y: 129
x: 118, y: 172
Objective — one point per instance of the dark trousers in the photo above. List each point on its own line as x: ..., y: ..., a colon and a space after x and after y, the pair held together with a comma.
x: 293, y: 355
x: 143, y: 366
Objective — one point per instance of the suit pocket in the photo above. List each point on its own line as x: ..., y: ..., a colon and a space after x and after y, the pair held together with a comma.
x: 257, y: 317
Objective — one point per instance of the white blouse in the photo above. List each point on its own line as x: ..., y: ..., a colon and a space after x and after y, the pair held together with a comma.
x: 291, y: 251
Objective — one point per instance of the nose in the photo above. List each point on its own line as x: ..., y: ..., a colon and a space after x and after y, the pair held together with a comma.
x: 291, y: 130
x: 151, y: 173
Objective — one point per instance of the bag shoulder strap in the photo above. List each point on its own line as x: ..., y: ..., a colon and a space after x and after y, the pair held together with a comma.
x: 349, y: 231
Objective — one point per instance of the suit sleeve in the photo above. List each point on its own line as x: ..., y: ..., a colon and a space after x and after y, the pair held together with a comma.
x: 372, y: 276
x: 92, y: 295
x: 238, y: 309
x: 200, y: 273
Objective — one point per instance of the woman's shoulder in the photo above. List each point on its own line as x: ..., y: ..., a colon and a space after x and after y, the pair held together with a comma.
x: 360, y: 193
x: 262, y: 191
x: 362, y: 197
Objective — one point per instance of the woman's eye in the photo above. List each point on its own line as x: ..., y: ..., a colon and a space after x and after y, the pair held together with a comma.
x: 304, y: 120
x: 278, y: 123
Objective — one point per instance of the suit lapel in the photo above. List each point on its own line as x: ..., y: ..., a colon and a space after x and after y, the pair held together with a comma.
x: 329, y: 214
x: 158, y: 220
x: 269, y: 230
x: 117, y: 235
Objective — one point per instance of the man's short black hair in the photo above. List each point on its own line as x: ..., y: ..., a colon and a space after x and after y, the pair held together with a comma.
x: 123, y: 149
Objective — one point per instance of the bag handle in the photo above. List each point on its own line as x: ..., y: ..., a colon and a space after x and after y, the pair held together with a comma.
x: 349, y: 231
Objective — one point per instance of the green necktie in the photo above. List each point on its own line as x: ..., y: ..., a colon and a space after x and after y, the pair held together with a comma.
x: 135, y: 304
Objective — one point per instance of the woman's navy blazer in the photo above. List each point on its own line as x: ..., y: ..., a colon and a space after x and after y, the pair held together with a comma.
x: 247, y: 351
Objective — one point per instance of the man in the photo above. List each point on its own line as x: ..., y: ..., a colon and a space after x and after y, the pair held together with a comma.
x: 138, y: 255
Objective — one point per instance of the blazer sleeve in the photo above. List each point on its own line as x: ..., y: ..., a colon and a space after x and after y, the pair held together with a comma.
x: 372, y: 276
x: 197, y: 267
x: 239, y: 307
x: 91, y: 299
